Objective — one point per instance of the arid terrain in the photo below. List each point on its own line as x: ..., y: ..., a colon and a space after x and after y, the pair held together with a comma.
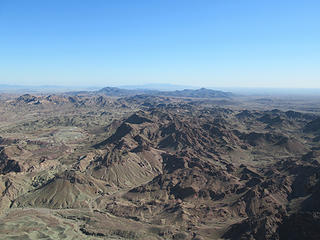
x: 190, y: 164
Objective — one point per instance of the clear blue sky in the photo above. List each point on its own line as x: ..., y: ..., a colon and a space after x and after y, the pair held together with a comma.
x: 212, y: 43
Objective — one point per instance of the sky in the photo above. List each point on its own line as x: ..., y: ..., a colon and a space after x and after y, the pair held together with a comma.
x: 207, y: 43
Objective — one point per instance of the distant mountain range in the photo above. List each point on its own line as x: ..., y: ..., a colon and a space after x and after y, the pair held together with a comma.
x: 158, y: 86
x: 7, y: 88
x: 197, y: 93
x: 158, y: 89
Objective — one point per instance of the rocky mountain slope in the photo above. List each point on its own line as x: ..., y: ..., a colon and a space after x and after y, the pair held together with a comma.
x: 146, y: 167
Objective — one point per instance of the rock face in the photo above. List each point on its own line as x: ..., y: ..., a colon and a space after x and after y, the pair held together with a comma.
x: 313, y: 126
x: 6, y: 164
x: 27, y: 98
x: 300, y: 226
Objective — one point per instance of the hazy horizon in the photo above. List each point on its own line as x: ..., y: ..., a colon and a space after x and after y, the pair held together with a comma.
x: 245, y: 91
x: 147, y: 85
x: 213, y: 44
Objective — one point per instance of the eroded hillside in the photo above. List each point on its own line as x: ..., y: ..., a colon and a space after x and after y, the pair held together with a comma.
x: 88, y: 166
